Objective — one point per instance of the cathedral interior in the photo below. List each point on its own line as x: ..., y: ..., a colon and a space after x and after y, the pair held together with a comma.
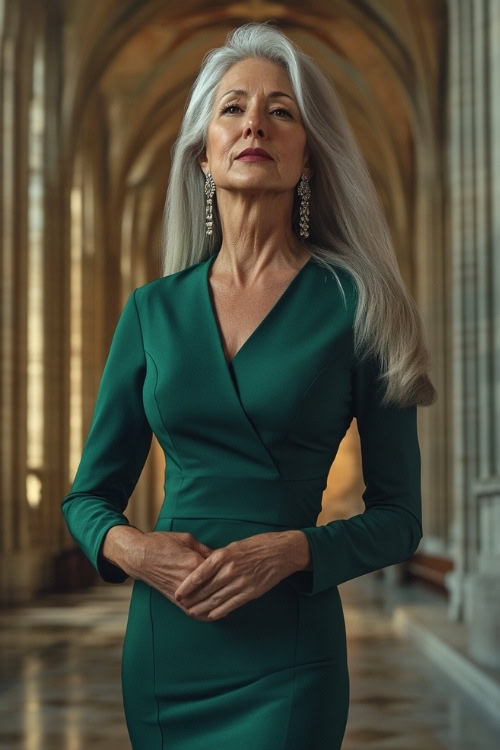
x: 91, y: 101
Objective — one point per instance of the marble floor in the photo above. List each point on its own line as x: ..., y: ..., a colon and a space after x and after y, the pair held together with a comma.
x: 60, y: 676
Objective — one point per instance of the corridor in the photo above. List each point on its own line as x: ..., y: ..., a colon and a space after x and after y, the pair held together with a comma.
x: 386, y: 134
x: 60, y: 667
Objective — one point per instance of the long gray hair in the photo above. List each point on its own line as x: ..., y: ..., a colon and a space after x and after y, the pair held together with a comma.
x: 347, y: 226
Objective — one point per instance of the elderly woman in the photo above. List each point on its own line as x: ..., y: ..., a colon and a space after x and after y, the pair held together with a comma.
x: 280, y: 315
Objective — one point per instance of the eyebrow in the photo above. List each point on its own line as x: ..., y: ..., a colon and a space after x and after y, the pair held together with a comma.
x: 271, y: 95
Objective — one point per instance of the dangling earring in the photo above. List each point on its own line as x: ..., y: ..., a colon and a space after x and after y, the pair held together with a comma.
x: 209, y: 192
x: 305, y: 193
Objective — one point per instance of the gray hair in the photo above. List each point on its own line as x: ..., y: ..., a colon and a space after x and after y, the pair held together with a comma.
x: 347, y: 226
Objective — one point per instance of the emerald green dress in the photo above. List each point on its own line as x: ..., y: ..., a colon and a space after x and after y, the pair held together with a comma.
x: 248, y: 448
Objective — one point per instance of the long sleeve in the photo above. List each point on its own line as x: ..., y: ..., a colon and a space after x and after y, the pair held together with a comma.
x: 116, y: 447
x: 389, y: 530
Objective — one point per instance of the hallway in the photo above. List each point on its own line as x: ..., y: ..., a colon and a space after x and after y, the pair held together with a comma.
x: 93, y: 153
x: 60, y: 666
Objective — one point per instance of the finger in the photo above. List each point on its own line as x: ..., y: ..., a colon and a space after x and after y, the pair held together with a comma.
x: 210, y: 587
x: 204, y: 549
x: 198, y: 576
x: 208, y: 601
x: 226, y: 607
x: 201, y: 594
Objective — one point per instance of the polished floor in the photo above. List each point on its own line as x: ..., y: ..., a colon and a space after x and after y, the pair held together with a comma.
x: 60, y: 676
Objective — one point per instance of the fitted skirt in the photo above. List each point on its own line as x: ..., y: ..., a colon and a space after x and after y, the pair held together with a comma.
x: 272, y: 674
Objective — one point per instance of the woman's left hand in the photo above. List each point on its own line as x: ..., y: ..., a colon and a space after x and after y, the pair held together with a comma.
x: 233, y: 575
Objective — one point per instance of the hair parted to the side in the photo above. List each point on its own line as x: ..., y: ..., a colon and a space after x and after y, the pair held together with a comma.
x: 347, y: 225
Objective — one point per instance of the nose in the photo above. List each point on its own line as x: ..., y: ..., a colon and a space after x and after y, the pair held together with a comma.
x: 250, y: 129
x: 253, y: 122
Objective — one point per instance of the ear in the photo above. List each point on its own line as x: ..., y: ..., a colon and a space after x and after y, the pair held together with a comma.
x: 203, y: 162
x: 306, y: 168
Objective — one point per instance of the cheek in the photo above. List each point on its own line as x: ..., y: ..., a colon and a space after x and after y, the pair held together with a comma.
x: 223, y: 137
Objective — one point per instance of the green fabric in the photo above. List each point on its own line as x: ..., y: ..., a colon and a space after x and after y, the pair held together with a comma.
x: 390, y: 528
x: 116, y: 447
x: 248, y: 448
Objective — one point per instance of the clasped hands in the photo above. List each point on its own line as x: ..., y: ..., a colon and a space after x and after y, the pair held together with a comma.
x: 233, y: 575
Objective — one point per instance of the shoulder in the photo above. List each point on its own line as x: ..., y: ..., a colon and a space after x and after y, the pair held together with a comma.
x: 338, y: 282
x: 166, y: 286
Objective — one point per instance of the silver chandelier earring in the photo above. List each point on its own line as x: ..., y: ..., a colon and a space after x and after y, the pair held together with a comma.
x: 209, y: 192
x: 304, y: 191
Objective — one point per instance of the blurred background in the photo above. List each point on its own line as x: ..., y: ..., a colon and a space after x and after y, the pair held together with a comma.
x: 91, y: 99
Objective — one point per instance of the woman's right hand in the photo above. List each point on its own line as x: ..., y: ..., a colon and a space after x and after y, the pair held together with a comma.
x: 169, y: 557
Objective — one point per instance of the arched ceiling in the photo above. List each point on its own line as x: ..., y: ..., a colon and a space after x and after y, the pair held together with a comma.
x: 385, y: 58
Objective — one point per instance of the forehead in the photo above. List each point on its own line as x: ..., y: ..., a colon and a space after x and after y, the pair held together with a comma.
x: 254, y: 74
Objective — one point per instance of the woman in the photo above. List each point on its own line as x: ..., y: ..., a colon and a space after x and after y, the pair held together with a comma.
x: 244, y: 359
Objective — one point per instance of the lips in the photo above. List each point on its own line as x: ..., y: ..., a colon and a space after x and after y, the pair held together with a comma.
x: 254, y: 152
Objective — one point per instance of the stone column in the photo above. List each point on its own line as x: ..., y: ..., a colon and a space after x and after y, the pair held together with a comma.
x: 474, y: 188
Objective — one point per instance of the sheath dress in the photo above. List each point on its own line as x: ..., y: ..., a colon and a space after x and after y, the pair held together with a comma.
x: 248, y: 447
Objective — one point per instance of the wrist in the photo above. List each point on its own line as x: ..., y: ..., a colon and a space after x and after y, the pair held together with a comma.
x: 124, y: 546
x: 300, y: 550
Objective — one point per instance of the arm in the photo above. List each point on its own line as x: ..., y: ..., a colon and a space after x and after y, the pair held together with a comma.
x: 389, y: 530
x: 116, y: 447
x: 124, y: 545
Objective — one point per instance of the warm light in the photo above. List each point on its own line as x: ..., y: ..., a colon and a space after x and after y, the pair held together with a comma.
x: 33, y: 490
x: 76, y: 343
x: 35, y: 280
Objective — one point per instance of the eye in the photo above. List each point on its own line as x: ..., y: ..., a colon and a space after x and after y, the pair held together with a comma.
x: 279, y: 109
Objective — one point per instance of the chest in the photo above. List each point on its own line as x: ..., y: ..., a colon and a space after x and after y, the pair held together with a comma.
x: 239, y: 312
x: 285, y: 397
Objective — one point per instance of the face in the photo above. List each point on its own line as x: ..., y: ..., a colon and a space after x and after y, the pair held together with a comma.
x: 256, y: 120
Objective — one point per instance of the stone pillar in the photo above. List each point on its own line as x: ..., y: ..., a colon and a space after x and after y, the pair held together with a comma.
x: 474, y: 188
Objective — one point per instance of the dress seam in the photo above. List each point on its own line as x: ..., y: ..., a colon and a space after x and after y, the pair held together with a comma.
x: 154, y: 670
x: 166, y: 430
x: 229, y: 477
x: 301, y: 398
x: 294, y: 672
x: 158, y: 408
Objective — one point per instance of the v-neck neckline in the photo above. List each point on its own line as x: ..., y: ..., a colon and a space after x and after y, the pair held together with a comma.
x: 264, y: 320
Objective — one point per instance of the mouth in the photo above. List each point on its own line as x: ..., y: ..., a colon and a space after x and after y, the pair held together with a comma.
x: 253, y: 157
x: 257, y: 153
